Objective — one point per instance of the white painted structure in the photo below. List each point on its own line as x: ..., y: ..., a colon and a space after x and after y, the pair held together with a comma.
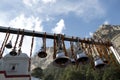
x: 14, y: 67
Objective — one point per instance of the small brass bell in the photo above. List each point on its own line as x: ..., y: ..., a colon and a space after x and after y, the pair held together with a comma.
x: 99, y: 63
x: 13, y: 52
x: 42, y: 53
x: 61, y: 60
x: 81, y: 56
x: 9, y: 45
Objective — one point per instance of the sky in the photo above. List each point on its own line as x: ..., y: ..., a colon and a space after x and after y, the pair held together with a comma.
x: 71, y: 17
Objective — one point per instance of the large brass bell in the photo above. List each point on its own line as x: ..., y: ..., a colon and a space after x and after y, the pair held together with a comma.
x: 9, y: 45
x: 13, y: 52
x: 99, y: 63
x: 81, y: 56
x: 42, y: 53
x: 61, y: 60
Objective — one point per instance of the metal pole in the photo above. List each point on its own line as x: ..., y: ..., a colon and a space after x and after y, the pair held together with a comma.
x: 48, y: 35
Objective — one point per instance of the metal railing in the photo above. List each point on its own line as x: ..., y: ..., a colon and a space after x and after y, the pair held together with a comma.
x: 50, y: 35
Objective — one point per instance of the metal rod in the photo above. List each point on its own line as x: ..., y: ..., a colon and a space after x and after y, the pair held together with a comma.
x: 48, y: 35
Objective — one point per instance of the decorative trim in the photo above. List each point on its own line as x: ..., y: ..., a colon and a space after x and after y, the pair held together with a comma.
x: 13, y: 76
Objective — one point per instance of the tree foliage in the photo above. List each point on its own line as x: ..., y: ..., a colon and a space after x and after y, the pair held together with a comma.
x: 37, y: 72
x: 84, y: 72
x: 79, y: 72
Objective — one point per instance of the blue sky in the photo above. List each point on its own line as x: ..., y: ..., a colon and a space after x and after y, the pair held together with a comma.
x: 71, y: 17
x: 78, y: 17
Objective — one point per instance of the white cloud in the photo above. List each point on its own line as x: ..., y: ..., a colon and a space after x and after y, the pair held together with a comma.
x: 28, y: 23
x: 106, y: 23
x: 85, y: 9
x: 30, y: 2
x: 2, y: 23
x: 3, y: 19
x: 60, y: 26
x: 49, y: 1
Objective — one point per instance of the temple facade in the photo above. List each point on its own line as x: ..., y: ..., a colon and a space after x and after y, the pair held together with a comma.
x: 14, y: 67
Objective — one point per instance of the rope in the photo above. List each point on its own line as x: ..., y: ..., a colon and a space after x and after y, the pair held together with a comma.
x: 29, y: 67
x: 90, y: 50
x: 1, y: 49
x: 32, y: 44
x: 16, y: 40
x: 44, y: 42
x: 72, y: 50
x: 99, y: 50
x: 5, y: 43
x: 64, y: 45
x: 21, y: 41
x: 83, y: 48
x: 103, y: 50
x: 54, y: 54
x: 93, y: 48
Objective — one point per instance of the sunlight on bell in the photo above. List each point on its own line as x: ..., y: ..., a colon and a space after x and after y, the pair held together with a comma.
x: 13, y: 53
x: 42, y: 53
x: 61, y: 60
x: 99, y: 63
x: 9, y: 45
x: 81, y: 56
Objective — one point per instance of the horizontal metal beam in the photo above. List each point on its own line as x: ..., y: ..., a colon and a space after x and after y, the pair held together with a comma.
x: 48, y: 35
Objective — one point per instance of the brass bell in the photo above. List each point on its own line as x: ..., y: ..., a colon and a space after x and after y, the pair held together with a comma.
x: 61, y: 60
x: 13, y: 52
x: 42, y: 53
x: 9, y: 45
x: 81, y: 56
x: 99, y: 63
